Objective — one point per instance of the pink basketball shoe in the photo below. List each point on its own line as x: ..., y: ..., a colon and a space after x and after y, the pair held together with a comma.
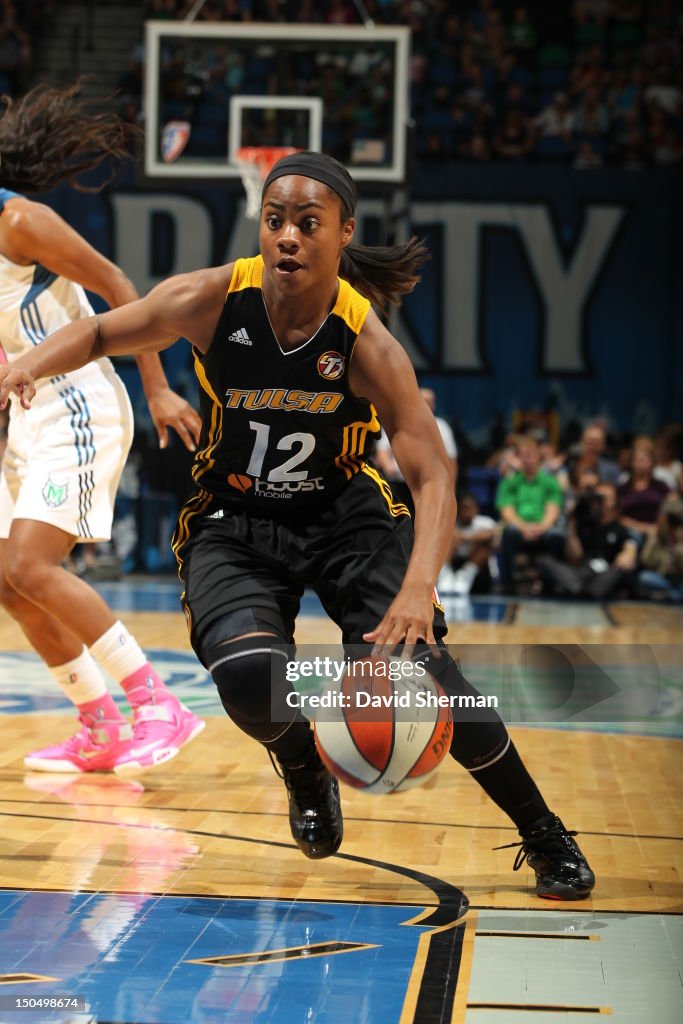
x: 94, y: 748
x: 160, y: 729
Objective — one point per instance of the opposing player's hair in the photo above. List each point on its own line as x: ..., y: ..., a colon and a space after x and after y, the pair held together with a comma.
x: 49, y: 135
x: 383, y: 273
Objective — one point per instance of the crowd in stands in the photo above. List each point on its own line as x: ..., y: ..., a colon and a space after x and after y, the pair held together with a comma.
x: 582, y: 82
x: 18, y: 23
x: 585, y: 522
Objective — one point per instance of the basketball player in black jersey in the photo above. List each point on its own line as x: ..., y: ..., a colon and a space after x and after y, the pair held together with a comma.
x: 296, y: 372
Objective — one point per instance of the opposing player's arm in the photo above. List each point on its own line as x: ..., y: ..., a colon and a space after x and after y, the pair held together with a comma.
x: 381, y: 372
x: 33, y: 233
x: 187, y: 305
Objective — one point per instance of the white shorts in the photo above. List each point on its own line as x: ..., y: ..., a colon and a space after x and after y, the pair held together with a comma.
x: 65, y: 454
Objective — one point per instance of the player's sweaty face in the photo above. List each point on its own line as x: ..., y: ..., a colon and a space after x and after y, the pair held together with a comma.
x: 301, y: 234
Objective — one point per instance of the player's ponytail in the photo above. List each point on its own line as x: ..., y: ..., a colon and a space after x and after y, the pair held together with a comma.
x: 383, y: 273
x: 49, y: 135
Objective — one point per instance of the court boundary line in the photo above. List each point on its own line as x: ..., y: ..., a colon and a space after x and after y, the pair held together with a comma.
x: 282, y: 814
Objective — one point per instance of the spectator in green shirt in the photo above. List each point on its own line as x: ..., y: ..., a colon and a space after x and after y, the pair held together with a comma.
x: 529, y: 502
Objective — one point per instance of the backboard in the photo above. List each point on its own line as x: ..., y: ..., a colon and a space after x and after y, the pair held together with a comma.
x: 341, y: 90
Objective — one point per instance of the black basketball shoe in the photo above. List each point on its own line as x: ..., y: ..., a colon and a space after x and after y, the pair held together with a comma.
x: 562, y: 871
x: 315, y: 815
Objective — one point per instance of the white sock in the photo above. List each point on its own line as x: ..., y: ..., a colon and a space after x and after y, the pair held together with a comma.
x: 468, y: 571
x: 465, y: 577
x: 79, y: 680
x: 118, y: 652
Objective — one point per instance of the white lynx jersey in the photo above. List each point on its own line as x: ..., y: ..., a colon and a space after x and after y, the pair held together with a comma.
x: 65, y: 454
x: 34, y: 303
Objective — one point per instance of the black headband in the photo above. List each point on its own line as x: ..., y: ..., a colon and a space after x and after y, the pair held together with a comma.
x: 320, y: 168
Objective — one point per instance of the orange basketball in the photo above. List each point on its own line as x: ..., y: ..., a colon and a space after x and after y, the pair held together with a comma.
x: 389, y: 729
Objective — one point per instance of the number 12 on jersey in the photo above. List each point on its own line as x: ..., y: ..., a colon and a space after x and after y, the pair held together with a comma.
x: 283, y: 472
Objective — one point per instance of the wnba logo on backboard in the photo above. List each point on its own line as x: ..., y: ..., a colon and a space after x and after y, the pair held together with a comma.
x: 174, y: 139
x: 331, y: 365
x: 240, y: 482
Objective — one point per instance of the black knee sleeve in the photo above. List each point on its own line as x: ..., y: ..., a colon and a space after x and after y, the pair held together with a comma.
x: 251, y: 678
x: 479, y: 734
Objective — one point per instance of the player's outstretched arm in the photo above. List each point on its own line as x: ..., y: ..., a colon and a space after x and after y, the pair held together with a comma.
x: 188, y: 305
x: 381, y: 372
x: 32, y: 233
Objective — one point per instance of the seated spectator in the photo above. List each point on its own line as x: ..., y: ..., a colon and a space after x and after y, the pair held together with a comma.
x: 600, y: 555
x: 15, y: 53
x: 586, y: 158
x: 515, y: 97
x: 662, y: 144
x: 669, y: 456
x: 582, y: 480
x: 597, y: 11
x: 514, y: 138
x: 625, y: 94
x: 555, y: 125
x: 383, y: 457
x: 554, y: 462
x: 505, y: 460
x: 476, y: 148
x: 521, y: 34
x: 592, y: 116
x: 447, y: 435
x: 130, y: 81
x: 588, y: 71
x: 339, y: 12
x: 530, y: 502
x: 468, y: 565
x: 665, y: 92
x: 494, y: 38
x: 641, y: 495
x: 661, y: 559
x: 627, y: 10
x: 590, y: 453
x: 161, y: 10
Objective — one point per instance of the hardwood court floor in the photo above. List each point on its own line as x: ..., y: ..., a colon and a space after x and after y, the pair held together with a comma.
x: 102, y: 877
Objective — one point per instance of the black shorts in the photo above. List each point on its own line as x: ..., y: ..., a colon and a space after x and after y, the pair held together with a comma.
x: 353, y: 554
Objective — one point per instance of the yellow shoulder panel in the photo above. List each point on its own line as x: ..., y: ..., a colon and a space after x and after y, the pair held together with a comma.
x: 351, y: 306
x: 246, y: 273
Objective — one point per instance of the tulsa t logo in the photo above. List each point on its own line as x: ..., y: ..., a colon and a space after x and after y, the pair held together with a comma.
x: 331, y: 365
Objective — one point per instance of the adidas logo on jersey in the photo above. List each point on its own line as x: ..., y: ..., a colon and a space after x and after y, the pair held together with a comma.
x: 240, y: 336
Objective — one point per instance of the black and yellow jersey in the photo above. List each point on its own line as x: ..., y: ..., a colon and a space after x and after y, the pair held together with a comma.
x: 282, y: 431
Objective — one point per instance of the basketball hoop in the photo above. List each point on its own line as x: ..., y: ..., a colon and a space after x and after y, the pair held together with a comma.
x: 254, y: 164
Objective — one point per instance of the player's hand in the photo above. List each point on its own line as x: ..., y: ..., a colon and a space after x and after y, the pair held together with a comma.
x: 168, y: 409
x: 409, y: 619
x: 14, y: 381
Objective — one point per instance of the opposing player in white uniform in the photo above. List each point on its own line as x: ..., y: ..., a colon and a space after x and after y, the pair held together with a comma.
x: 63, y: 462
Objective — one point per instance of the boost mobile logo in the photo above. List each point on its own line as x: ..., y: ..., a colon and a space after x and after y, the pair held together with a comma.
x: 274, y: 489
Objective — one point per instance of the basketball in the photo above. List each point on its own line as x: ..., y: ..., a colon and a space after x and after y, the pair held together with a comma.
x: 389, y: 729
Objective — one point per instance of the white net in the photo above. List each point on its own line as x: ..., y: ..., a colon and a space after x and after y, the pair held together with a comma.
x: 252, y: 182
x: 254, y: 163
